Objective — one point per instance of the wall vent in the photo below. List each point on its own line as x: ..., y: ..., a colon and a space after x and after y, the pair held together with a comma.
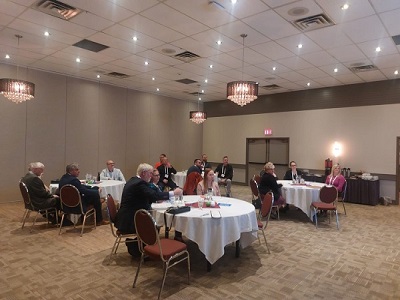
x: 271, y: 87
x: 89, y: 45
x: 187, y: 56
x: 363, y: 68
x: 313, y: 22
x: 186, y: 81
x: 396, y: 39
x: 196, y: 93
x: 56, y: 9
x: 117, y: 75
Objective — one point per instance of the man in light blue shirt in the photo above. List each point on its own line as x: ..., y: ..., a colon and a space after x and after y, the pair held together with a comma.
x: 111, y: 173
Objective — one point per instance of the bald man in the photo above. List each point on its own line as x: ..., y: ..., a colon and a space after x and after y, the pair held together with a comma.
x: 111, y: 173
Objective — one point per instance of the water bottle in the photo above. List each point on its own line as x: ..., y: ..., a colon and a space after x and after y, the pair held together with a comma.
x: 209, y: 194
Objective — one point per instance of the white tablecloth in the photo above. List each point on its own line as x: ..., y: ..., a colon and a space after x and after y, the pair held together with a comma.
x: 301, y: 196
x: 112, y: 187
x: 179, y: 178
x: 238, y: 221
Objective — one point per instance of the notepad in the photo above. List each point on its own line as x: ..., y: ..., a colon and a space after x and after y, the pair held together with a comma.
x: 224, y: 204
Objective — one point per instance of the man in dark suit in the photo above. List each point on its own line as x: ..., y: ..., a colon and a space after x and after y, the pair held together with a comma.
x: 225, y: 175
x: 204, y: 163
x: 89, y: 195
x: 166, y: 170
x: 137, y: 195
x: 40, y: 195
x: 293, y: 173
x: 196, y: 167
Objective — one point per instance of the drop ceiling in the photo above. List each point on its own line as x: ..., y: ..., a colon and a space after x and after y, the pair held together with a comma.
x: 338, y: 46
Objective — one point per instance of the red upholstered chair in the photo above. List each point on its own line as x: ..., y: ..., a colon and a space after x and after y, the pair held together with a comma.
x: 256, y: 192
x: 265, y: 213
x: 342, y: 196
x: 257, y: 178
x: 328, y: 196
x: 192, y: 180
x: 170, y: 252
x: 71, y: 204
x: 29, y: 207
x: 119, y: 236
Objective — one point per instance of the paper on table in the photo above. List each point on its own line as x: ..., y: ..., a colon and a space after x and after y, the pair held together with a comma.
x: 224, y: 204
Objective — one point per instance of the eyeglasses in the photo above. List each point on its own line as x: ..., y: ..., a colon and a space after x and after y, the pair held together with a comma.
x: 293, y: 165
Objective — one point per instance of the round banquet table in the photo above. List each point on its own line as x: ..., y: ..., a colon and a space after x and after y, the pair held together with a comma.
x: 301, y: 195
x: 112, y: 187
x: 213, y: 228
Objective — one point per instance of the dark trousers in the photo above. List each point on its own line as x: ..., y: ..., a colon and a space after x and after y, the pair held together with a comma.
x: 95, y: 201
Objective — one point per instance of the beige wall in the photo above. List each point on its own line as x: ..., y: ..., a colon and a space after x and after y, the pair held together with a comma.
x: 87, y: 122
x: 368, y: 135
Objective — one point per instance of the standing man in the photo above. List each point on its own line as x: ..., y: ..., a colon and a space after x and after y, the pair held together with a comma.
x: 293, y: 173
x: 166, y: 170
x: 137, y: 195
x: 196, y: 167
x: 89, y: 195
x: 40, y: 195
x: 204, y: 163
x: 225, y: 175
x: 111, y: 173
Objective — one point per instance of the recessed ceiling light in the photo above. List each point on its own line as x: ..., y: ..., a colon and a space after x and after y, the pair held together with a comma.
x: 219, y: 42
x: 378, y: 49
x: 7, y: 56
x: 211, y: 66
x: 158, y: 89
x: 344, y: 6
x: 274, y: 68
x: 202, y: 91
x: 199, y: 98
x: 46, y: 33
x: 78, y: 59
x: 300, y: 46
x: 98, y: 76
x: 153, y: 78
x: 233, y: 1
x: 205, y: 80
x: 134, y: 38
x: 396, y: 72
x: 335, y: 70
x: 146, y: 62
x: 308, y: 84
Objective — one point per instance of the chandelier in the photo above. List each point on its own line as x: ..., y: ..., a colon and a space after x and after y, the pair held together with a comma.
x: 242, y: 92
x: 17, y: 90
x: 198, y: 116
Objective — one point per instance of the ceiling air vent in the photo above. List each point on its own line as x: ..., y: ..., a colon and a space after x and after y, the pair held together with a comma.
x: 187, y: 56
x: 196, y: 93
x: 89, y: 45
x: 313, y: 22
x: 396, y: 39
x: 271, y: 87
x: 363, y: 68
x: 56, y: 9
x: 186, y: 81
x: 117, y: 75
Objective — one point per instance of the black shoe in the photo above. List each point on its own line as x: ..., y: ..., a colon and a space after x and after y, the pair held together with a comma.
x: 67, y: 222
x: 133, y: 247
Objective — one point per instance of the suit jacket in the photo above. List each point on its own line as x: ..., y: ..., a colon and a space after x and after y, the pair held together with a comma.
x: 206, y: 165
x: 137, y: 194
x: 268, y: 183
x: 84, y: 190
x: 228, y: 171
x: 288, y: 174
x: 192, y: 169
x: 40, y: 196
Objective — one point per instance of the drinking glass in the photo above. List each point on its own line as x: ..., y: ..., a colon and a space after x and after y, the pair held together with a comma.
x: 201, y: 202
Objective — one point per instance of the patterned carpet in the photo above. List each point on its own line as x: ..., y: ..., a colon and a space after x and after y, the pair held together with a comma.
x: 361, y: 261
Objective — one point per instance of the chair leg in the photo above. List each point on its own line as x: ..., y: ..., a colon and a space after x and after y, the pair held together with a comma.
x: 337, y: 219
x: 83, y: 223
x: 266, y: 243
x: 316, y: 217
x: 188, y: 262
x: 25, y: 216
x: 163, y: 279
x: 34, y: 221
x: 344, y: 207
x: 115, y: 247
x: 61, y: 223
x: 138, y: 270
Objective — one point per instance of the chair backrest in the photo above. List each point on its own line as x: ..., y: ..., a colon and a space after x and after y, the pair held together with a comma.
x: 266, y: 206
x: 70, y: 199
x: 191, y: 183
x: 146, y: 228
x: 254, y: 188
x: 328, y: 194
x: 111, y: 208
x: 257, y: 178
x: 25, y: 195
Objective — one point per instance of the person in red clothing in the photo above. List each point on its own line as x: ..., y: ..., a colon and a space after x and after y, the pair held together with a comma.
x: 162, y: 155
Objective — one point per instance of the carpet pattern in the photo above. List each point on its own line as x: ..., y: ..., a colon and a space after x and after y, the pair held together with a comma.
x: 360, y: 261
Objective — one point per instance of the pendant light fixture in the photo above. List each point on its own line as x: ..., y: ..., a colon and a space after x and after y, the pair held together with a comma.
x: 242, y: 92
x: 198, y: 116
x: 17, y: 90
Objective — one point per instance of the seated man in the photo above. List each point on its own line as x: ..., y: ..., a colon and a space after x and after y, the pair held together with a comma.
x: 225, y: 175
x: 40, y: 195
x: 159, y: 163
x: 155, y: 178
x: 196, y: 167
x: 137, y: 195
x: 89, y: 195
x: 166, y: 170
x: 111, y: 173
x: 293, y: 173
x: 204, y: 163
